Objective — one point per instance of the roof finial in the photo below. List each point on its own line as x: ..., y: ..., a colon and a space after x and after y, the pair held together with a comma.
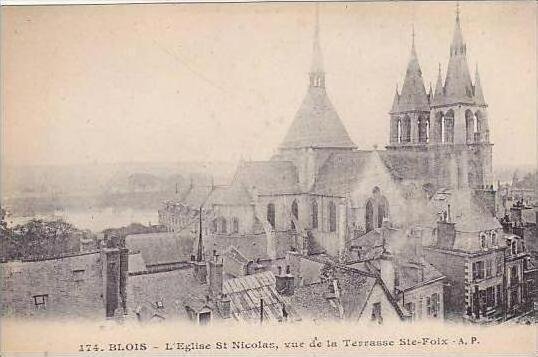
x: 317, y: 60
x: 457, y: 11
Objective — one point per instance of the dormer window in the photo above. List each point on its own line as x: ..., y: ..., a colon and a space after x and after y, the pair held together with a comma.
x: 493, y: 238
x: 483, y: 240
x: 40, y: 301
x: 159, y: 304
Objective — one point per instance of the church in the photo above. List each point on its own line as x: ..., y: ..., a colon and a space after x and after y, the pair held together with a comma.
x: 319, y: 190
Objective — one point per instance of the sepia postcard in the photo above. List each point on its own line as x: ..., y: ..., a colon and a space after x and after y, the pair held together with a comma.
x: 268, y: 178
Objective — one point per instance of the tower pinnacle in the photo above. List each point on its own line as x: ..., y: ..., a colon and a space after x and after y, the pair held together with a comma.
x: 317, y: 74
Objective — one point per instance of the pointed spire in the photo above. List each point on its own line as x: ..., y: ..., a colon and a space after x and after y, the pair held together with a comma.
x: 478, y: 94
x: 413, y: 95
x: 438, y: 96
x: 458, y: 85
x: 458, y: 46
x: 395, y: 101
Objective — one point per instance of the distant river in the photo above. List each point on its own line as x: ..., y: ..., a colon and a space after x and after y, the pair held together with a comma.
x: 98, y: 219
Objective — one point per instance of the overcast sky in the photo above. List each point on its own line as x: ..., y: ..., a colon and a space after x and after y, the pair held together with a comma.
x: 216, y: 82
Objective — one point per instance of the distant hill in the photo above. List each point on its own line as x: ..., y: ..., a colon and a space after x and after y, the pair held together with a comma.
x: 38, y: 188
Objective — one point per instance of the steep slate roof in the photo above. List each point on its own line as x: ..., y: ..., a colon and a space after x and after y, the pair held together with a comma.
x: 229, y: 195
x: 469, y: 214
x: 317, y: 124
x: 251, y: 246
x: 413, y: 96
x: 268, y: 177
x: 196, y: 196
x: 410, y: 275
x: 311, y: 301
x: 137, y: 264
x: 341, y: 171
x: 173, y: 288
x: 246, y: 292
x: 458, y: 87
x: 408, y: 164
x: 161, y: 248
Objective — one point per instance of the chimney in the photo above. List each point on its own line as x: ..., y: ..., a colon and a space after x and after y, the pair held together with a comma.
x: 124, y: 274
x: 216, y: 275
x: 342, y: 231
x: 515, y: 212
x: 506, y: 223
x: 285, y: 283
x: 446, y: 230
x: 224, y: 305
x: 111, y: 268
x: 417, y: 243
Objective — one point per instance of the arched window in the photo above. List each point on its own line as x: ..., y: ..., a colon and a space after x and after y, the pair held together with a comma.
x: 382, y: 211
x: 423, y: 130
x: 438, y: 127
x: 314, y: 214
x: 332, y: 217
x: 443, y: 130
x: 406, y: 129
x: 235, y: 225
x: 377, y: 208
x: 214, y: 226
x: 483, y: 240
x: 295, y: 214
x: 223, y: 225
x: 369, y: 216
x: 470, y: 126
x: 399, y: 129
x: 271, y: 214
x: 493, y: 238
x: 449, y: 126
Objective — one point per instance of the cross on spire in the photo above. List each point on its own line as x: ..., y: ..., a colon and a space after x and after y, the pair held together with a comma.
x: 317, y: 76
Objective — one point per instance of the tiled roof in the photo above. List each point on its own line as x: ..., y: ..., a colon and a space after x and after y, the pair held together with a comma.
x: 161, y: 248
x: 251, y: 246
x: 414, y: 274
x: 311, y: 301
x: 317, y: 124
x: 246, y: 293
x: 172, y: 288
x: 268, y: 177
